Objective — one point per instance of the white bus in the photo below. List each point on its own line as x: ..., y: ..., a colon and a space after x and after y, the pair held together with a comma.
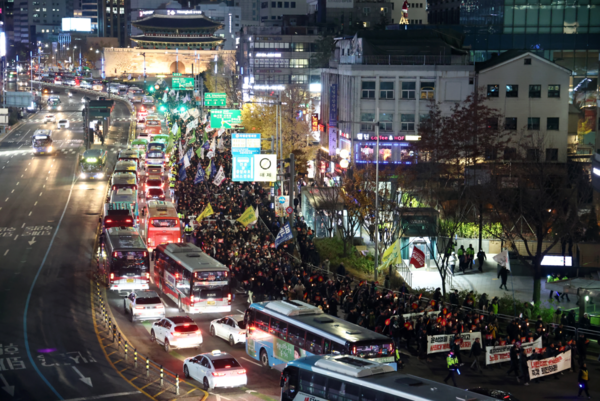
x: 348, y: 378
x: 191, y: 278
x: 281, y: 331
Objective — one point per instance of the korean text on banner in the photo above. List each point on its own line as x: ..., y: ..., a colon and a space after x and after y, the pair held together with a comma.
x: 284, y: 234
x: 418, y: 258
x: 247, y: 217
x: 333, y: 105
x: 441, y: 343
x: 208, y: 210
x: 501, y: 353
x: 549, y: 366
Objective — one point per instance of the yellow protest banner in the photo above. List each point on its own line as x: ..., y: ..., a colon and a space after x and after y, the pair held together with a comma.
x: 391, y: 255
x: 248, y: 217
x: 208, y: 210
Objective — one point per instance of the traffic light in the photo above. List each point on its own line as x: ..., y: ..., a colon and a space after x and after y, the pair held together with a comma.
x: 151, y: 89
x: 182, y: 109
x: 163, y: 108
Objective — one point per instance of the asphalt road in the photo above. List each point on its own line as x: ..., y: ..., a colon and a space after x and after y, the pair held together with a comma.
x: 48, y: 220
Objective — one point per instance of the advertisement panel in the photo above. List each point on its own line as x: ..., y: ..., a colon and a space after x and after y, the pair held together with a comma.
x: 441, y: 343
x: 333, y: 105
x: 285, y: 351
x: 549, y: 366
x: 225, y: 118
x: 247, y: 144
x: 501, y: 353
x: 77, y: 25
x: 182, y: 83
x: 333, y: 134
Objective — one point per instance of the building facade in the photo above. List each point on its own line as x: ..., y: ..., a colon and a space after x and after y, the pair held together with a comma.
x: 272, y: 12
x: 267, y: 59
x: 114, y: 20
x: 417, y: 12
x: 230, y: 17
x: 532, y: 94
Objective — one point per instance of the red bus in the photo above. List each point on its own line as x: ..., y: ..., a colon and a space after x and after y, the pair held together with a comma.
x: 191, y: 278
x: 162, y: 226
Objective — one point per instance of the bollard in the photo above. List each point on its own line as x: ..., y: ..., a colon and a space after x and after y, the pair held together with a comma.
x: 126, y: 350
x: 147, y: 367
x: 135, y: 357
x: 177, y: 383
x: 114, y: 330
x: 162, y: 375
x: 119, y: 343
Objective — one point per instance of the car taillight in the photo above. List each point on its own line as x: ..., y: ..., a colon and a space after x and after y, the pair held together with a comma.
x: 241, y: 372
x: 139, y: 307
x: 112, y: 276
x: 108, y: 220
x: 126, y: 221
x: 192, y: 299
x: 114, y: 254
x: 218, y: 374
x: 176, y: 334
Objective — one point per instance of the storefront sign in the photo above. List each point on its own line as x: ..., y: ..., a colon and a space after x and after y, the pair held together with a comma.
x: 419, y: 226
x: 382, y: 138
x: 441, y: 343
x: 332, y: 140
x: 333, y: 106
x: 549, y: 366
x: 315, y: 122
x: 499, y: 354
x: 277, y: 55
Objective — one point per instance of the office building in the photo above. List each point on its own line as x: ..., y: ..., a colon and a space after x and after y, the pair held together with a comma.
x: 114, y: 20
x: 229, y: 17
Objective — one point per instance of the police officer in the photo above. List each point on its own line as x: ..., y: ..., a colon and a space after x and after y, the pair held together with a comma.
x: 452, y: 363
x: 470, y: 257
x: 188, y: 230
x: 583, y: 381
x: 398, y: 359
x: 461, y: 258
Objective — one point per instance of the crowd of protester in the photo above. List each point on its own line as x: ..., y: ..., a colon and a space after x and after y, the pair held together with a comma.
x: 266, y: 272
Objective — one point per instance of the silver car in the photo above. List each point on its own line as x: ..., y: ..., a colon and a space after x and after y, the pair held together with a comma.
x: 143, y: 305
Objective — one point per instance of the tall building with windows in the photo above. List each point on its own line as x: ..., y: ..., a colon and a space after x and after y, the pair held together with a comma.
x: 114, y: 20
x: 388, y: 78
x: 272, y: 12
x: 229, y: 17
x: 89, y: 9
x: 40, y: 19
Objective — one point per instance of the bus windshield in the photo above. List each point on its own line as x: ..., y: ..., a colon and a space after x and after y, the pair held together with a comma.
x: 42, y: 142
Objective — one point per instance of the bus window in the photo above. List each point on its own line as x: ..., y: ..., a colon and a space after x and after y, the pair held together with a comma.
x: 261, y: 321
x: 296, y: 336
x: 278, y: 328
x: 334, y: 387
x: 313, y: 383
x: 337, y: 348
x: 314, y: 343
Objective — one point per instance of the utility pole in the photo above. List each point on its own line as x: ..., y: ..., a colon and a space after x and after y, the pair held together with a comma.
x: 376, y: 195
x: 292, y: 186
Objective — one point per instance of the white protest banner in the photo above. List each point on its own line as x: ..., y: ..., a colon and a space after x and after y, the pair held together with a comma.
x: 441, y: 342
x: 415, y: 316
x: 501, y: 353
x: 184, y: 115
x: 220, y: 177
x: 549, y: 366
x: 194, y: 113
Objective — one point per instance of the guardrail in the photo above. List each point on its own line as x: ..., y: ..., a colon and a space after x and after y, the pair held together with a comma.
x: 148, y: 376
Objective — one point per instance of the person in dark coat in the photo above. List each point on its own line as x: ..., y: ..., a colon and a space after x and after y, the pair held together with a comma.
x: 514, y: 360
x: 503, y: 273
x: 476, y: 353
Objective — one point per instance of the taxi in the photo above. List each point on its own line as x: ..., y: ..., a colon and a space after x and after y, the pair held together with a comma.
x: 49, y: 118
x: 215, y: 369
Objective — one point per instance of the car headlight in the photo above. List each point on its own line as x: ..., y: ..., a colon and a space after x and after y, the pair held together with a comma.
x: 100, y: 175
x: 82, y: 175
x: 49, y: 148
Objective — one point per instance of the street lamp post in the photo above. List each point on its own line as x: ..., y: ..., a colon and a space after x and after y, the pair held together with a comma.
x: 144, y: 55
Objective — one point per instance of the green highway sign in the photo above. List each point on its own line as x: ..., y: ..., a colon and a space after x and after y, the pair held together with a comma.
x: 225, y: 118
x: 176, y: 74
x: 215, y: 99
x: 183, y: 83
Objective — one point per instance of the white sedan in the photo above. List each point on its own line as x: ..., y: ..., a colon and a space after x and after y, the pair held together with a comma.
x: 215, y: 369
x: 49, y: 118
x: 63, y: 124
x: 230, y: 328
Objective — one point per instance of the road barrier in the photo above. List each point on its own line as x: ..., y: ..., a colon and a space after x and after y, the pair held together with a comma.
x: 149, y: 377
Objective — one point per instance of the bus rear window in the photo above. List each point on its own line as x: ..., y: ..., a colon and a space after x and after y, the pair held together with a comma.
x: 210, y: 276
x: 373, y: 350
x: 128, y: 159
x: 189, y: 328
x: 163, y: 223
x: 154, y: 183
x: 155, y: 155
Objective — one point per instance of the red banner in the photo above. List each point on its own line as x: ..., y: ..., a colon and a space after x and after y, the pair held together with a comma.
x: 418, y: 258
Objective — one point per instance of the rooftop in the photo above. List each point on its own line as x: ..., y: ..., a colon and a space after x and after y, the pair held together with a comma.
x: 167, y: 39
x: 191, y: 22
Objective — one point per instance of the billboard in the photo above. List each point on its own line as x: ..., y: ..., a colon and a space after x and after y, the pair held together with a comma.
x: 182, y: 83
x: 77, y: 24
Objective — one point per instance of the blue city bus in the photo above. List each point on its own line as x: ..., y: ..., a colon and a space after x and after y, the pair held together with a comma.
x: 41, y: 142
x: 348, y: 378
x: 281, y: 331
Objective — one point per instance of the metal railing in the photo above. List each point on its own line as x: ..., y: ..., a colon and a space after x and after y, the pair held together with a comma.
x: 406, y: 60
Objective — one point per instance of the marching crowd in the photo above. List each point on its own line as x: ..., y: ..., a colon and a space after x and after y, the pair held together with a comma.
x: 268, y: 272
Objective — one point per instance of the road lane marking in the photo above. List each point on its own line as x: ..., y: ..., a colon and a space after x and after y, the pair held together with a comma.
x: 41, y: 193
x: 23, y: 225
x: 18, y: 182
x: 99, y: 397
x: 35, y: 203
x: 22, y: 175
x: 16, y: 236
x: 6, y: 200
x: 27, y: 302
x: 248, y: 360
x: 12, y: 191
x: 6, y: 252
x: 30, y: 213
x: 44, y: 186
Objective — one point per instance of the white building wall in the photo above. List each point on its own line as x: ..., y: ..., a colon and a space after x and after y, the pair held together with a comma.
x: 539, y: 72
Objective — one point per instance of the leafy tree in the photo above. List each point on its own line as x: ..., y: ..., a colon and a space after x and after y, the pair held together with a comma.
x: 537, y: 203
x: 325, y: 47
x: 226, y: 80
x: 261, y: 116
